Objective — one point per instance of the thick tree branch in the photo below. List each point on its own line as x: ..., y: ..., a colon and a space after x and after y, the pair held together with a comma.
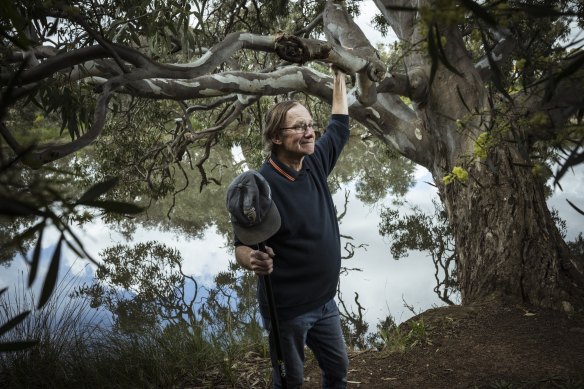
x: 39, y: 52
x: 401, y: 16
x: 413, y: 85
x: 392, y: 121
x: 301, y: 50
x: 341, y: 30
x: 309, y: 27
x: 205, y: 64
x: 389, y: 117
x: 347, y: 47
x: 280, y: 81
x: 48, y: 153
x: 13, y: 143
x: 290, y: 48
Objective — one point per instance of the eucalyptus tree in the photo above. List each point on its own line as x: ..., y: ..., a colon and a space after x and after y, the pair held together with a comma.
x: 482, y: 96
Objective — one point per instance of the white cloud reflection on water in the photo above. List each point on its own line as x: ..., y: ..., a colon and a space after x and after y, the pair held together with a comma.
x: 384, y: 284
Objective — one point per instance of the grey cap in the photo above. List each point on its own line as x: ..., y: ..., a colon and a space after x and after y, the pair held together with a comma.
x: 254, y: 216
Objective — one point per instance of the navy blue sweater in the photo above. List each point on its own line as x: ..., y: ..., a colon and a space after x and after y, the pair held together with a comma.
x: 307, y: 246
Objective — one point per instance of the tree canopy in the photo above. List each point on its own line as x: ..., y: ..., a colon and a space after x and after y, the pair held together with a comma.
x: 70, y: 59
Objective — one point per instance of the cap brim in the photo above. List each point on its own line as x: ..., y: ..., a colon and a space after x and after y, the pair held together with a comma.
x: 261, y: 232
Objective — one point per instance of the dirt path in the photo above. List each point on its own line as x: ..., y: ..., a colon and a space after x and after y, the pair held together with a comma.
x: 478, y: 347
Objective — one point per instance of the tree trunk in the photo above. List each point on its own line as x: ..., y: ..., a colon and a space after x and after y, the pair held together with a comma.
x: 508, y: 245
x: 509, y: 248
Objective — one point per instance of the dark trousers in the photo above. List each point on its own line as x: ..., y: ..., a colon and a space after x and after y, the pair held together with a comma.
x: 319, y: 329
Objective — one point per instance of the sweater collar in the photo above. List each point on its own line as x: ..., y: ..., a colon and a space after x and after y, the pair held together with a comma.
x: 285, y: 171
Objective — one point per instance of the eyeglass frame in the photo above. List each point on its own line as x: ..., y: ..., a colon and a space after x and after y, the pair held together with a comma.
x: 303, y: 126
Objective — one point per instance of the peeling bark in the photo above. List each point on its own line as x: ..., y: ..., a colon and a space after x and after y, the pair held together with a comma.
x: 509, y: 247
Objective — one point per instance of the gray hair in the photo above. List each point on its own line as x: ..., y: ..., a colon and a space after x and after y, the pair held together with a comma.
x: 274, y: 120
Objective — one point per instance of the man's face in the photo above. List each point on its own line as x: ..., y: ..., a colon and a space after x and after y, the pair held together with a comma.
x: 293, y: 141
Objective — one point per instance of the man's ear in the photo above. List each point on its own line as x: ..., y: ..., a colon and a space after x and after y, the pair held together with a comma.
x: 277, y: 140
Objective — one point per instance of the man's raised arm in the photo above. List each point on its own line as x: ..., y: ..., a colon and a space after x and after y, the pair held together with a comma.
x: 340, y: 105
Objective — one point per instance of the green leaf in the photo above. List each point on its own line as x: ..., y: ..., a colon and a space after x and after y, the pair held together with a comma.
x: 576, y: 157
x: 54, y: 27
x: 13, y: 207
x: 64, y: 120
x: 479, y: 11
x: 79, y: 244
x: 97, y: 190
x: 115, y: 206
x: 10, y: 324
x: 17, y: 346
x: 136, y: 38
x: 433, y: 51
x: 497, y: 77
x: 36, y: 257
x: 575, y: 64
x: 73, y: 127
x: 29, y: 233
x: 74, y: 249
x: 51, y: 277
x: 9, y: 11
x: 575, y: 207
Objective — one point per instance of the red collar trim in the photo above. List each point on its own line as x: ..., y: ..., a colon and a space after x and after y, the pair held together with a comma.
x: 280, y: 170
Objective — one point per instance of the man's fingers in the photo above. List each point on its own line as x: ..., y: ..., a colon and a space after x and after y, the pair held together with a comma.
x: 260, y: 255
x: 262, y: 268
x: 261, y: 263
x: 269, y: 251
x: 261, y: 258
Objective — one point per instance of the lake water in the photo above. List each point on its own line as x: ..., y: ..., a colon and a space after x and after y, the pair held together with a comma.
x: 383, y: 284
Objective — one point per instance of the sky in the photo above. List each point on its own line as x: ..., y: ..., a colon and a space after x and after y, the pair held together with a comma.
x: 368, y: 11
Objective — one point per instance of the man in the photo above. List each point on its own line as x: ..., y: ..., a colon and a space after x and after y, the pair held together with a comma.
x: 304, y: 256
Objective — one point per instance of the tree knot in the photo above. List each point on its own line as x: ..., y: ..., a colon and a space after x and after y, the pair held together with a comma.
x: 376, y: 71
x: 300, y: 50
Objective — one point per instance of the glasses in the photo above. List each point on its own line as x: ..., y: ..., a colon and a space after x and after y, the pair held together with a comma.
x: 301, y: 128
